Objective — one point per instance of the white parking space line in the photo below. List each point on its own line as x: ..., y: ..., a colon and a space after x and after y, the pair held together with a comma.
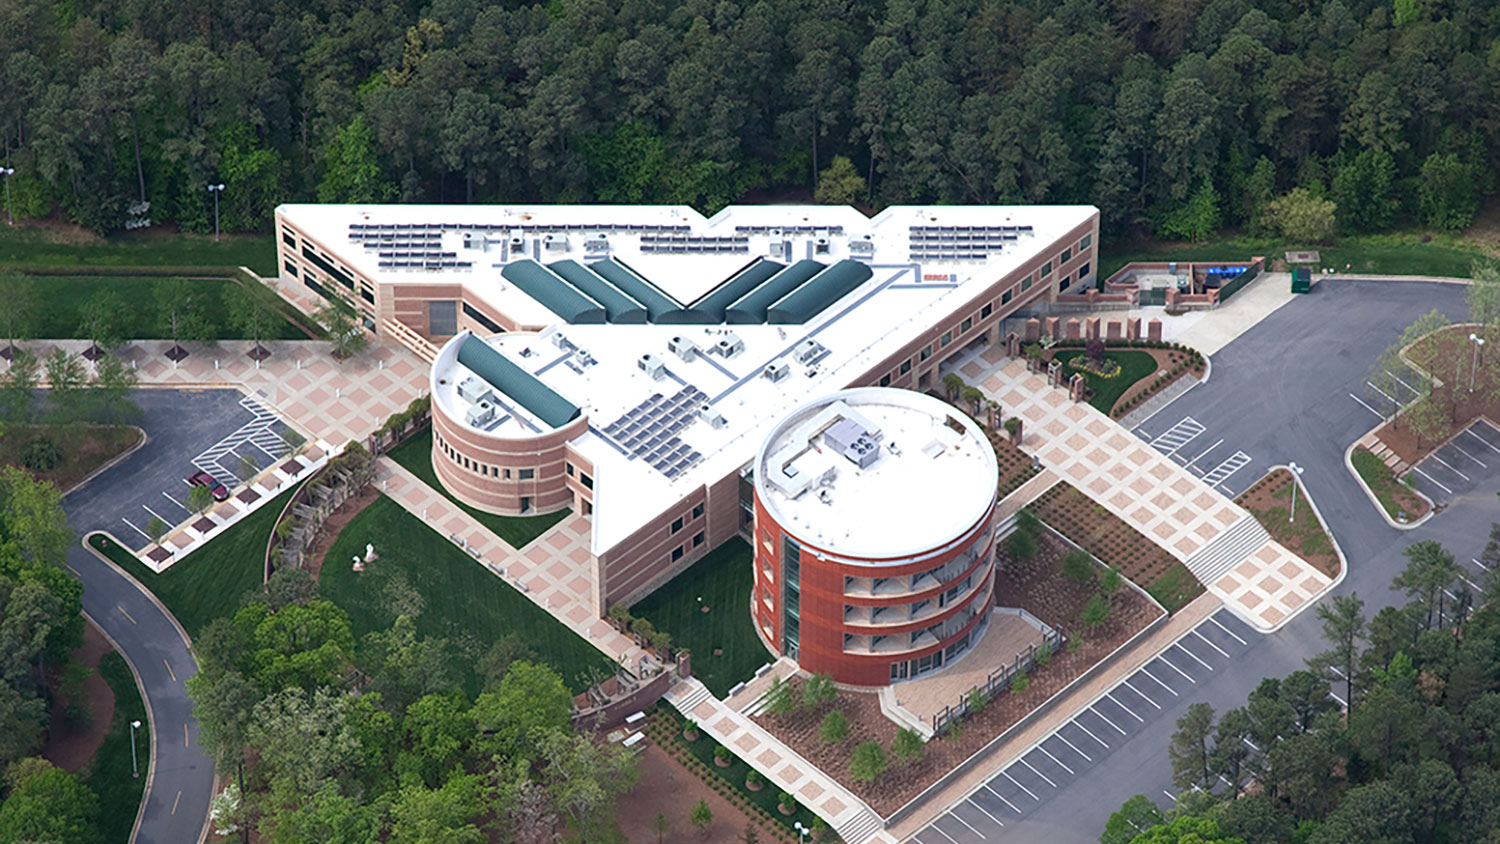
x: 1450, y: 466
x: 1251, y: 745
x: 954, y: 815
x: 1383, y: 393
x: 1470, y: 432
x: 1177, y: 436
x: 178, y: 503
x: 1002, y: 798
x: 1178, y: 670
x: 1210, y: 644
x: 971, y: 802
x: 1340, y: 700
x: 1205, y: 451
x: 1178, y: 644
x: 1159, y: 682
x: 164, y: 520
x: 1418, y: 470
x: 1481, y: 565
x: 1468, y: 455
x: 1138, y: 691
x: 934, y: 828
x: 1038, y: 773
x: 1111, y: 696
x: 1402, y: 383
x: 1055, y: 759
x: 1477, y: 587
x: 1007, y: 775
x: 1090, y: 732
x: 1075, y: 748
x: 136, y: 529
x: 1227, y: 630
x: 1169, y: 795
x: 1365, y: 406
x: 1095, y: 710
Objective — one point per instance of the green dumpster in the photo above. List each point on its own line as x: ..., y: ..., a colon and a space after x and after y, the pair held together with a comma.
x: 1301, y: 280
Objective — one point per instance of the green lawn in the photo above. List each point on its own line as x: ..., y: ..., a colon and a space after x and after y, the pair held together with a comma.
x: 212, y: 580
x: 108, y: 773
x: 459, y: 598
x: 1175, y: 588
x: 1133, y: 367
x: 1400, y: 502
x: 61, y: 298
x: 416, y: 455
x: 24, y: 245
x: 82, y: 448
x: 723, y: 580
x: 1384, y: 254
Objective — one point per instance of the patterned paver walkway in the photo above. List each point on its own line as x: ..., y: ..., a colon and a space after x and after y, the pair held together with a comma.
x: 1262, y: 582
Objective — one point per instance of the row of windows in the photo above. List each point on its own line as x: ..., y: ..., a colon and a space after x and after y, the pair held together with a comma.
x: 484, y: 469
x: 478, y: 316
x: 583, y: 478
x: 677, y: 552
x: 680, y: 520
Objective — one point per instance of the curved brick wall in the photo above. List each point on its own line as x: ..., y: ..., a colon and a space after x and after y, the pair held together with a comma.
x: 483, y: 484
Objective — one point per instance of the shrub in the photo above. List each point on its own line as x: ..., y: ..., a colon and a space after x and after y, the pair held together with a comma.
x: 701, y: 816
x: 41, y: 455
x: 908, y: 745
x: 977, y: 700
x: 1044, y: 653
x: 779, y: 700
x: 722, y: 755
x: 753, y: 777
x: 1019, y: 683
x: 1109, y: 582
x: 1074, y: 643
x: 818, y: 691
x: 787, y: 801
x: 868, y: 762
x: 1096, y: 612
x: 690, y: 729
x: 1078, y: 566
x: 1021, y: 546
x: 835, y: 727
x: 1012, y: 425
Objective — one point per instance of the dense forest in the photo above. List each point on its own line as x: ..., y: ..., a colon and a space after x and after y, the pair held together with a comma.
x: 1176, y: 116
x: 1414, y: 759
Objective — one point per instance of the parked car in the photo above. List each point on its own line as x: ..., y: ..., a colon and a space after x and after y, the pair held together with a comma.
x: 202, y: 478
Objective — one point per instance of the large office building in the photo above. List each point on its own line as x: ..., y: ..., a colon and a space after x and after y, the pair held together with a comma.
x: 628, y: 363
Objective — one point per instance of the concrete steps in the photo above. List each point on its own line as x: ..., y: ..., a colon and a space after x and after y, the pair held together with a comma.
x: 686, y: 695
x: 860, y: 827
x: 1227, y: 550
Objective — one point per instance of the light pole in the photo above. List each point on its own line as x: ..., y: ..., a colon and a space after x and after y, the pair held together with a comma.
x: 802, y: 831
x: 216, y: 190
x: 1478, y: 341
x: 1296, y: 473
x: 134, y: 771
x: 7, y: 172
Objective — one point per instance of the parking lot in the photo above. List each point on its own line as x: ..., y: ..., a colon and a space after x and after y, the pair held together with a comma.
x: 1160, y: 689
x: 1462, y: 464
x: 189, y: 430
x: 1217, y: 463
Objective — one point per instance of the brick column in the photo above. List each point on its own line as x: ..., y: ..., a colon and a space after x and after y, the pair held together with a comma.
x: 1091, y: 328
x: 1133, y: 328
x: 1153, y: 330
x: 1112, y: 331
x: 1033, y: 330
x: 1075, y: 387
x: 1053, y: 328
x: 1074, y: 329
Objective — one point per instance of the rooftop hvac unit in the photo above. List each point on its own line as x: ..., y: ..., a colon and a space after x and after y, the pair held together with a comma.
x: 652, y: 365
x: 596, y: 243
x: 476, y: 240
x: 729, y: 345
x: 517, y: 240
x: 472, y: 389
x: 777, y: 370
x: 806, y: 351
x: 683, y: 348
x: 708, y: 413
x: 778, y: 246
x: 560, y: 340
x: 820, y: 242
x: 555, y: 243
x: 481, y: 413
x: 863, y: 246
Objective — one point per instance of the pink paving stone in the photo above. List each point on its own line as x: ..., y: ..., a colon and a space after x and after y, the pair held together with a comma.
x: 992, y: 383
x: 1056, y: 398
x: 1164, y: 531
x: 1117, y: 442
x: 1185, y: 546
x: 1162, y: 501
x: 1056, y: 456
x: 1121, y: 500
x: 746, y: 742
x: 1099, y: 486
x: 1099, y: 457
x: 769, y: 758
x: 1226, y: 516
x: 580, y: 585
x: 536, y: 583
x: 1119, y: 471
x: 1014, y: 398
x: 1290, y: 569
x: 1143, y: 515
x: 1267, y: 554
x: 1138, y: 457
x: 1229, y: 582
x: 1185, y: 515
x: 557, y: 571
x: 538, y: 555
x: 1206, y: 531
x: 791, y: 773
x: 579, y: 555
x: 971, y: 369
x: 1183, y: 486
x: 1056, y: 428
x: 578, y: 615
x: 1078, y: 471
x: 1162, y: 471
x: 1076, y: 413
x: 1271, y: 615
x: 992, y: 355
x: 706, y: 713
x: 1205, y: 501
x: 1141, y: 486
x: 1034, y: 413
x: 1249, y: 600
x: 812, y: 791
x: 1246, y: 570
x: 1097, y: 428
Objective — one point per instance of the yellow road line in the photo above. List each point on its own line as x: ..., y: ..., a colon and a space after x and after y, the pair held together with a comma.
x: 169, y: 670
x: 184, y: 735
x: 73, y: 570
x: 124, y: 613
x: 175, y: 802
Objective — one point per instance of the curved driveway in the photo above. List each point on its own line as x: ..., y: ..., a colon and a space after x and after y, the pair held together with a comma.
x: 179, y: 425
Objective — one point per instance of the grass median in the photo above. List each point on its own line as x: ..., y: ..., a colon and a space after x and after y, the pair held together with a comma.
x: 150, y: 248
x: 108, y: 773
x: 1399, y: 501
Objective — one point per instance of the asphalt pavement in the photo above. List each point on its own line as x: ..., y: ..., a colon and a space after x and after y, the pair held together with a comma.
x: 1290, y: 389
x: 179, y: 424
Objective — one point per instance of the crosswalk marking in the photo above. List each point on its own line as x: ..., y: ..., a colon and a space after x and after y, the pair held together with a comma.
x: 259, y: 432
x: 1177, y: 436
x: 1221, y: 472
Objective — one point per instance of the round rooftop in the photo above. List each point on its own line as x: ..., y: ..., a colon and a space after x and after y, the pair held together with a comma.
x: 876, y: 474
x: 496, y: 394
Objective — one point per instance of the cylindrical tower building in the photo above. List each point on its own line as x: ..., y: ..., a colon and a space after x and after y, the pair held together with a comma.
x: 499, y: 435
x: 874, y: 535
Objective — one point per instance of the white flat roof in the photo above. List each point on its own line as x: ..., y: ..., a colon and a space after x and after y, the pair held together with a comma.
x: 906, y: 296
x: 876, y: 473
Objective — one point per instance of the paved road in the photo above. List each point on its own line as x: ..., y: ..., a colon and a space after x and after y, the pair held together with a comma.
x: 1278, y: 393
x: 179, y: 425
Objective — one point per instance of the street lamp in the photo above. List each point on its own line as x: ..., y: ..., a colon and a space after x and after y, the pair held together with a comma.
x: 7, y: 172
x: 1296, y: 473
x: 216, y: 190
x: 1478, y: 341
x: 802, y: 831
x: 134, y: 771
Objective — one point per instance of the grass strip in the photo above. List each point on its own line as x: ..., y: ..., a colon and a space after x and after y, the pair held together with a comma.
x: 25, y: 245
x: 1399, y: 502
x: 62, y: 299
x: 108, y: 773
x: 82, y: 448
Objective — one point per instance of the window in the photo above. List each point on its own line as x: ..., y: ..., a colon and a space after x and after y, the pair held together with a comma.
x: 697, y: 511
x: 527, y: 474
x: 885, y: 380
x: 291, y: 266
x: 366, y: 295
x: 332, y: 271
x: 963, y: 327
x: 947, y: 337
x: 1083, y: 270
x: 467, y: 464
x: 906, y: 366
x: 442, y: 318
x: 1007, y: 296
x: 1063, y: 285
x: 984, y: 312
x: 473, y: 313
x: 697, y: 539
x: 676, y: 553
x: 588, y: 482
x: 483, y: 469
x: 677, y: 525
x: 1066, y: 254
x: 314, y: 286
x: 505, y: 473
x: 288, y: 238
x: 568, y: 467
x: 1026, y: 283
x: 525, y: 504
x: 1084, y: 244
x: 926, y: 353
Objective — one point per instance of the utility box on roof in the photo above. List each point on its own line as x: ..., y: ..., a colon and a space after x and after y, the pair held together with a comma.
x: 777, y: 370
x: 652, y: 365
x: 683, y: 348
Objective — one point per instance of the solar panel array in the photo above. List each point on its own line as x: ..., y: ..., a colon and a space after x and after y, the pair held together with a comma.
x: 362, y: 231
x: 789, y: 229
x: 961, y: 243
x: 649, y: 430
x: 680, y: 243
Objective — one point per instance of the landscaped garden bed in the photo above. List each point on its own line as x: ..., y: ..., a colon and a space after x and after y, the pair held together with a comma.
x: 1400, y: 502
x: 63, y: 455
x: 1270, y: 501
x: 1016, y: 466
x: 1128, y: 372
x: 1035, y: 583
x: 1451, y: 406
x: 1103, y: 534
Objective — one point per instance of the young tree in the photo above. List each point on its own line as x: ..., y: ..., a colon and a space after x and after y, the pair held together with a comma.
x: 345, y: 335
x: 1429, y: 570
x: 818, y: 691
x: 1230, y: 751
x: 18, y: 317
x: 179, y: 310
x: 868, y: 762
x: 200, y: 499
x: 907, y: 746
x: 113, y: 381
x: 1109, y: 583
x: 1189, y: 750
x: 660, y: 824
x: 701, y: 816
x: 17, y: 384
x: 65, y: 383
x: 1095, y: 612
x: 251, y: 316
x: 1021, y: 545
x: 953, y: 384
x: 101, y: 319
x: 840, y: 183
x: 1194, y: 219
x: 1482, y: 295
x: 1301, y: 217
x: 835, y: 727
x: 156, y: 529
x: 1078, y: 567
x: 248, y: 466
x: 779, y: 700
x: 1343, y: 621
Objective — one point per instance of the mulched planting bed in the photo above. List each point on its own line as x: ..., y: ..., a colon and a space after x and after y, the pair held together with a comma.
x: 1037, y: 585
x: 1270, y: 501
x: 1138, y: 379
x: 1400, y: 502
x: 1103, y: 534
x: 1016, y: 466
x: 1448, y: 354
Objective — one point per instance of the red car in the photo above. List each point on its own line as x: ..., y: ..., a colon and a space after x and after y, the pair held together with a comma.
x: 202, y: 478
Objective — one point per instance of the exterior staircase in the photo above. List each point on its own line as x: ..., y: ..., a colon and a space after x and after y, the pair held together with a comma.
x: 860, y: 827
x: 686, y: 695
x: 1227, y: 550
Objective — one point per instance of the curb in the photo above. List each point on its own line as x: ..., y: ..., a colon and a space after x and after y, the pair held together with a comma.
x: 1208, y: 371
x: 139, y: 444
x: 186, y: 640
x: 1337, y: 549
x: 140, y: 811
x: 1379, y: 508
